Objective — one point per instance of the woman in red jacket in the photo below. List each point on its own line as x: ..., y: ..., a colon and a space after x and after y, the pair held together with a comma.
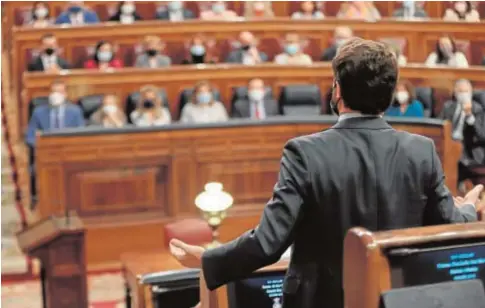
x: 104, y: 57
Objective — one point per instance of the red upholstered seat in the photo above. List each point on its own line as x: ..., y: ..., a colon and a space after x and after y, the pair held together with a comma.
x: 192, y: 231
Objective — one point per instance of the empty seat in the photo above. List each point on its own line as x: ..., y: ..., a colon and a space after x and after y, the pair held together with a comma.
x: 426, y: 96
x: 193, y: 231
x: 300, y: 100
x: 186, y: 94
x: 90, y: 103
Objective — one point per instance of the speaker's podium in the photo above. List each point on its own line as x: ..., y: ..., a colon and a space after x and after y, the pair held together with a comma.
x: 380, y: 264
x: 263, y: 288
x: 58, y: 242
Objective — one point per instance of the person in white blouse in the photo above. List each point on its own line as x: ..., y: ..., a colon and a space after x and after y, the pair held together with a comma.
x: 293, y: 54
x: 462, y: 11
x: 150, y: 110
x: 446, y: 53
x: 308, y: 10
x: 203, y: 108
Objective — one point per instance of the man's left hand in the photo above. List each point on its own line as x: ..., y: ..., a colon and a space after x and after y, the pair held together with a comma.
x: 188, y: 255
x: 467, y: 108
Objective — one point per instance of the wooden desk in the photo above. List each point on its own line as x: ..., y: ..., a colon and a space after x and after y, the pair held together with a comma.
x: 225, y: 77
x: 132, y: 181
x: 420, y: 37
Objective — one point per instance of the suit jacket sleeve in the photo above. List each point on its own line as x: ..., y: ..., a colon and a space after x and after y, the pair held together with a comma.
x: 440, y: 207
x: 275, y: 232
x: 235, y: 112
x: 63, y: 63
x: 34, y: 126
x: 478, y: 128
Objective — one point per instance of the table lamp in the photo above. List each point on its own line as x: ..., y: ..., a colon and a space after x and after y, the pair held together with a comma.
x: 214, y: 203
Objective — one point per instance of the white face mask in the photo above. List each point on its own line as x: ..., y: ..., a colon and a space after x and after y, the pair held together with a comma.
x: 56, y: 98
x: 402, y: 97
x: 41, y: 12
x: 110, y: 109
x: 463, y: 97
x: 256, y: 95
x: 128, y: 8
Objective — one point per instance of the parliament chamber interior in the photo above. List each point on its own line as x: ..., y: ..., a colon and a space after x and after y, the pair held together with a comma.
x: 126, y: 124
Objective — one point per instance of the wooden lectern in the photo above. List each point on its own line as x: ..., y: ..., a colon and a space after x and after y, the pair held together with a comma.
x: 370, y: 258
x: 219, y: 297
x: 58, y: 242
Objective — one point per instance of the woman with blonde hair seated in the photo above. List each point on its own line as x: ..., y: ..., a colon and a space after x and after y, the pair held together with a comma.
x: 258, y: 9
x: 152, y: 57
x: 109, y: 113
x: 202, y: 107
x: 150, y: 110
x: 364, y: 10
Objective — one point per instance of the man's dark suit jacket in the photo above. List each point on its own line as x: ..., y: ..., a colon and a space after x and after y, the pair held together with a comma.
x: 241, y: 108
x: 473, y: 135
x: 329, y: 53
x: 360, y: 172
x: 236, y: 56
x: 37, y: 66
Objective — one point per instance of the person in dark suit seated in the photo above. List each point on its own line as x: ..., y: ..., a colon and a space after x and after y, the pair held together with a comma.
x: 248, y: 53
x: 176, y: 12
x: 58, y: 114
x: 256, y: 105
x: 104, y: 58
x: 405, y: 103
x: 77, y: 15
x: 361, y: 172
x: 409, y: 10
x: 340, y: 36
x: 48, y: 60
x: 126, y: 13
x: 468, y: 126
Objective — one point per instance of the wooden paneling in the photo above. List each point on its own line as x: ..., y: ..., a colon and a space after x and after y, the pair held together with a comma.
x: 224, y: 77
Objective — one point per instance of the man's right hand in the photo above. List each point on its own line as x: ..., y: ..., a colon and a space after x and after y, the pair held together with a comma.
x: 472, y: 197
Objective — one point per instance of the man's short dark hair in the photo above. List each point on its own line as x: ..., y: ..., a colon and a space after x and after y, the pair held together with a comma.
x: 367, y: 73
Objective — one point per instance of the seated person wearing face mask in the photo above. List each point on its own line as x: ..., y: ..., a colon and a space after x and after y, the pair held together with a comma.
x: 256, y: 106
x: 340, y: 36
x: 103, y: 58
x: 198, y: 52
x: 109, y: 113
x: 405, y: 103
x: 175, y: 11
x: 248, y: 53
x: 446, y: 53
x: 409, y: 10
x: 202, y: 108
x: 219, y: 12
x: 150, y: 110
x: 468, y: 125
x: 48, y: 60
x: 40, y: 16
x: 152, y: 57
x: 293, y: 54
x: 77, y: 15
x: 56, y: 115
x: 462, y: 11
x: 258, y: 10
x: 308, y: 10
x: 126, y: 13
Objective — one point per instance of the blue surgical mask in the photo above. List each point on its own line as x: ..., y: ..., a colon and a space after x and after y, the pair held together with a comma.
x: 204, y: 98
x: 292, y: 49
x: 218, y: 7
x: 197, y: 50
x: 175, y: 5
x: 74, y: 9
x: 256, y: 95
x: 105, y: 56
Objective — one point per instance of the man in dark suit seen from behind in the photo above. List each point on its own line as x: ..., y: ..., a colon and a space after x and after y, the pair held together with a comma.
x: 256, y: 105
x: 340, y: 36
x: 48, y: 60
x: 468, y: 126
x: 360, y: 172
x: 175, y: 12
x: 247, y: 53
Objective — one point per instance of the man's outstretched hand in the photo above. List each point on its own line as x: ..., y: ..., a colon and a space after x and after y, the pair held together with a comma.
x: 472, y: 197
x: 188, y: 255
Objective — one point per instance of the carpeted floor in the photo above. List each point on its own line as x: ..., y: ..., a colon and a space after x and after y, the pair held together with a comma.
x: 104, y: 291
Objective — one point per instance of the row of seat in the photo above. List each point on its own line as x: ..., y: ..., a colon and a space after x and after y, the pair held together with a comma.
x: 298, y: 99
